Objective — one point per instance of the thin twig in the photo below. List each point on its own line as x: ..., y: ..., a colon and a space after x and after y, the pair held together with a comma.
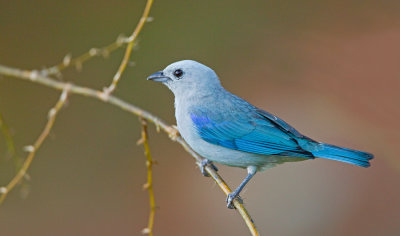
x: 77, y: 62
x: 128, y: 50
x: 10, y: 143
x: 149, y: 185
x: 36, y: 77
x: 32, y: 149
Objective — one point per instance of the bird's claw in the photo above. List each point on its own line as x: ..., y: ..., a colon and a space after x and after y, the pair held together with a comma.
x: 203, y: 165
x: 230, y: 198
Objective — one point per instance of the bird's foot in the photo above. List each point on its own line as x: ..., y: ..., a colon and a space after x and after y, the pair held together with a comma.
x: 203, y: 164
x: 231, y: 197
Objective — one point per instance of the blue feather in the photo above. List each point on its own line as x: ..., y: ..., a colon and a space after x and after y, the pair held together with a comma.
x: 258, y: 136
x: 265, y: 134
x: 332, y: 152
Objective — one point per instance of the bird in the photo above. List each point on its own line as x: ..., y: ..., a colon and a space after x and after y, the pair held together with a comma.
x: 226, y: 129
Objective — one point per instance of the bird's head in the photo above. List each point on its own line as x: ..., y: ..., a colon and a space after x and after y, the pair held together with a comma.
x: 187, y: 77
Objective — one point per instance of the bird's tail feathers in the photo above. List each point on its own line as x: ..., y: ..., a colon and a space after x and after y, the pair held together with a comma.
x: 347, y: 155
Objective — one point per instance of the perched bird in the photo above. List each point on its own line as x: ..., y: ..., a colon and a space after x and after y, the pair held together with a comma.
x: 226, y: 129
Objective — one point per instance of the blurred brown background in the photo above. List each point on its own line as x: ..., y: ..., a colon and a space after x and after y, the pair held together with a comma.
x: 329, y: 68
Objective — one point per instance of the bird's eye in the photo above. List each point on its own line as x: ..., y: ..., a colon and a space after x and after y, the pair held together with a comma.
x: 178, y: 73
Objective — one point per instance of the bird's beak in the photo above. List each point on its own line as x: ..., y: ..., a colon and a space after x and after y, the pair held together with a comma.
x: 158, y: 77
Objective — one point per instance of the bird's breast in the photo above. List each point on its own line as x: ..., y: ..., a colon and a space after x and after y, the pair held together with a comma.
x: 184, y: 122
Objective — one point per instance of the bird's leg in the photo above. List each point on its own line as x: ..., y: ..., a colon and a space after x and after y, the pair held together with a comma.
x: 203, y: 164
x: 251, y: 171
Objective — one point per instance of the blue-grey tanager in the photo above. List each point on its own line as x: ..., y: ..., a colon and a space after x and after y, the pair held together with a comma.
x: 224, y: 128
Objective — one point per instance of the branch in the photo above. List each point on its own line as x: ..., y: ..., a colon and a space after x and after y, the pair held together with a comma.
x: 149, y: 185
x: 35, y: 76
x: 32, y: 149
x: 78, y: 61
x: 104, y: 51
x: 131, y: 41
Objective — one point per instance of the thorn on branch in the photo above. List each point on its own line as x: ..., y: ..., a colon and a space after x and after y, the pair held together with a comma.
x: 52, y: 112
x: 63, y: 96
x: 94, y: 52
x: 146, y: 231
x: 140, y: 141
x: 33, y: 75
x: 3, y: 190
x: 158, y: 128
x: 29, y: 148
x: 146, y: 186
x: 148, y: 163
x: 67, y: 59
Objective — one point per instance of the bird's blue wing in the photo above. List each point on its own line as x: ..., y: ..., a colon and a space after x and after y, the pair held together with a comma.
x: 253, y: 133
